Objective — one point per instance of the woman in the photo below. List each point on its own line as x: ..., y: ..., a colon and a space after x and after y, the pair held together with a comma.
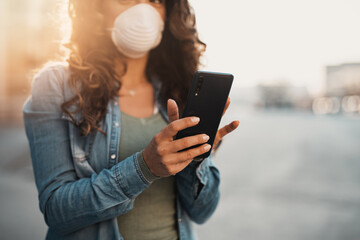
x: 105, y: 162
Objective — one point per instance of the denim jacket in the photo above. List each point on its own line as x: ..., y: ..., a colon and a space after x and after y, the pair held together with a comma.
x: 82, y: 187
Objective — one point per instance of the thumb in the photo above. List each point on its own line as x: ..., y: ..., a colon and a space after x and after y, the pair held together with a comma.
x: 173, y: 110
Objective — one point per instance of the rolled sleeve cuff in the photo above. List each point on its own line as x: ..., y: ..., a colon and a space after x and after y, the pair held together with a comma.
x: 147, y: 174
x: 200, y: 168
x: 129, y: 176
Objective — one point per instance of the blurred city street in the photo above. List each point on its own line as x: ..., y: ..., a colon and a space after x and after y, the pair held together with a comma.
x: 285, y: 175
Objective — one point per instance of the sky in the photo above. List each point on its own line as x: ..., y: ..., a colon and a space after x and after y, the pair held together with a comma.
x: 265, y: 41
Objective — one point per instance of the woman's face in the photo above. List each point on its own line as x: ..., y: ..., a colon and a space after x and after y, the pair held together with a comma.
x: 113, y: 8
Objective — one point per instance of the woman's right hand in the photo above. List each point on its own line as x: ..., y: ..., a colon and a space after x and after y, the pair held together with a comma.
x: 162, y: 155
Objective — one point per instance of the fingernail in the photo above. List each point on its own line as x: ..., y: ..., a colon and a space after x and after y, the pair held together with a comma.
x: 206, y: 138
x: 207, y: 147
x: 195, y: 119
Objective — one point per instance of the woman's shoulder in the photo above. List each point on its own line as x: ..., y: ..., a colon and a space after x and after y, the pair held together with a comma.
x: 51, y: 79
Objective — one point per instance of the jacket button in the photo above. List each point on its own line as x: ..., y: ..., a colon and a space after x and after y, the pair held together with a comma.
x: 113, y: 156
x: 116, y: 124
x: 179, y: 219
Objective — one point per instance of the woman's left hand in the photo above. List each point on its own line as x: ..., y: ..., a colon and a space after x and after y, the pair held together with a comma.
x: 226, y: 129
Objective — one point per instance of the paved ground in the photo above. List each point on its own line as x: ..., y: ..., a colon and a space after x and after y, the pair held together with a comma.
x: 284, y: 176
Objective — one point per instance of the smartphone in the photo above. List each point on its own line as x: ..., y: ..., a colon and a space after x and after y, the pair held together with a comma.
x: 206, y: 99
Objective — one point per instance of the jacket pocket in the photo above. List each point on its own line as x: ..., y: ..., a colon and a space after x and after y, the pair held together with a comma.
x: 81, y: 147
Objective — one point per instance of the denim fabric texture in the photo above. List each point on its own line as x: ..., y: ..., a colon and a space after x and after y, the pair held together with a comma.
x: 81, y: 186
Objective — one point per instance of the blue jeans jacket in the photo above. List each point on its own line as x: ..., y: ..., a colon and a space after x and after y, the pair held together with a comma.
x: 82, y: 187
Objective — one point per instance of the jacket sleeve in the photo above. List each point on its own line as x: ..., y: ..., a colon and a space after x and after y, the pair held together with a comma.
x: 198, y: 189
x: 67, y: 202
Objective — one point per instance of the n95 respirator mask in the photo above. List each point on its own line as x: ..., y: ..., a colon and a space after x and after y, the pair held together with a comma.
x: 137, y: 30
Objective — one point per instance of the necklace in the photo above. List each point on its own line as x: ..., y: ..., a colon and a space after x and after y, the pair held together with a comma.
x: 132, y: 92
x: 129, y: 93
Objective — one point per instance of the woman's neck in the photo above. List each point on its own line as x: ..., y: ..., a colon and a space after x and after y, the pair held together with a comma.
x: 136, y: 95
x: 136, y: 72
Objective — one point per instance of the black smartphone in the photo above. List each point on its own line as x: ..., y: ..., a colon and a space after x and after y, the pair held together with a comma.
x: 207, y: 98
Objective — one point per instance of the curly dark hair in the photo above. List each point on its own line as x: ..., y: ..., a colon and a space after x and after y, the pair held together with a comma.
x: 92, y: 66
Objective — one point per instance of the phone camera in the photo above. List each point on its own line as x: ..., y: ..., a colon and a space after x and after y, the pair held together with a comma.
x: 201, y: 80
x: 199, y: 85
x: 197, y: 91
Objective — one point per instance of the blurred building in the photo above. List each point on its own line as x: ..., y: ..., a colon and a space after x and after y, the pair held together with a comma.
x: 28, y: 38
x: 343, y: 80
x: 342, y: 90
x: 275, y: 96
x: 282, y: 95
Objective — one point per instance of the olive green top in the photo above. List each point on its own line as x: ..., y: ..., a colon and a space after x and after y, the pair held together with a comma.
x: 154, y: 213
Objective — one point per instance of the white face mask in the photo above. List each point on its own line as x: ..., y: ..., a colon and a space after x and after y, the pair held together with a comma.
x: 137, y: 30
